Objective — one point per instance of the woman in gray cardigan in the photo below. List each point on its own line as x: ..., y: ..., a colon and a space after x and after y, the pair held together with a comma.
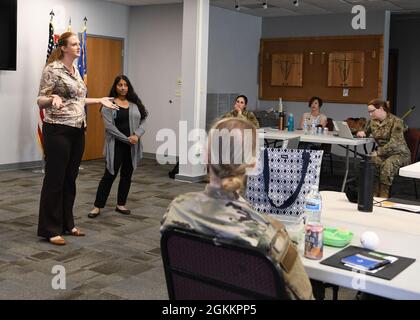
x: 123, y: 147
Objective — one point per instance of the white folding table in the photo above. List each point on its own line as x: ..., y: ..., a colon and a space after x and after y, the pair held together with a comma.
x: 411, y: 171
x: 399, y: 234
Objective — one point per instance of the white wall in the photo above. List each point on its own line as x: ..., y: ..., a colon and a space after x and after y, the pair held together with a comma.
x: 155, y: 54
x: 321, y: 25
x: 155, y: 51
x: 19, y: 89
x: 234, y: 44
x: 405, y: 35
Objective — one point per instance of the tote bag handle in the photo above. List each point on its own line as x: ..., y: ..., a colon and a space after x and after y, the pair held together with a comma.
x: 266, y: 171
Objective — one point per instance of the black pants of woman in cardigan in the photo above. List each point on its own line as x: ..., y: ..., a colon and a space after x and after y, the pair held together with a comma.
x: 122, y: 159
x: 63, y: 147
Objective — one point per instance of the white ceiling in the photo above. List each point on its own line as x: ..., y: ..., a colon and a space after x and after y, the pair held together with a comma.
x: 306, y: 7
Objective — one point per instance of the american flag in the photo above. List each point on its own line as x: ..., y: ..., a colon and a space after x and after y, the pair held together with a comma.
x: 52, y: 43
x: 82, y: 61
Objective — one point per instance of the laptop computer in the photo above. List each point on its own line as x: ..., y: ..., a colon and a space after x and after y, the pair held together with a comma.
x: 343, y: 130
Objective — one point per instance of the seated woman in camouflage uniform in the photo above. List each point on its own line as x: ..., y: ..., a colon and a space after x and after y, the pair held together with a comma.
x: 220, y: 211
x: 239, y: 111
x: 392, y: 152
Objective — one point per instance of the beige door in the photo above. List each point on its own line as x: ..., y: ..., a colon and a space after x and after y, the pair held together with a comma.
x: 104, y: 62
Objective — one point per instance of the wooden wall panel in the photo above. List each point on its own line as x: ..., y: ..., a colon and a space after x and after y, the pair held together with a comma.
x: 315, y: 67
x: 286, y: 69
x: 346, y: 69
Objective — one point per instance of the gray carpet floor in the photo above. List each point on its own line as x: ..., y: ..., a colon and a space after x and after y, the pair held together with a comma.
x: 119, y: 258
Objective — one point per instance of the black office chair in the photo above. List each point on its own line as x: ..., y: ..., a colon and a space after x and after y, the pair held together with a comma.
x: 412, y: 137
x: 292, y: 143
x: 199, y: 267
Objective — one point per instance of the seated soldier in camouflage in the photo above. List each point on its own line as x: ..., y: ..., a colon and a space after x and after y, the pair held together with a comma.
x: 239, y: 111
x: 220, y: 211
x: 392, y: 151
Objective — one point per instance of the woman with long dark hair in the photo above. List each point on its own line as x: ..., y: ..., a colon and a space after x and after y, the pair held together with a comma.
x: 123, y: 146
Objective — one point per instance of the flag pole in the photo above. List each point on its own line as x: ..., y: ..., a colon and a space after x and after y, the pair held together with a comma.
x: 39, y: 129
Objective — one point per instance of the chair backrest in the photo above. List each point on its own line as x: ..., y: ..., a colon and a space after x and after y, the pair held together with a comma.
x: 267, y: 119
x: 356, y: 124
x: 330, y: 124
x: 292, y: 143
x: 199, y: 267
x: 412, y: 137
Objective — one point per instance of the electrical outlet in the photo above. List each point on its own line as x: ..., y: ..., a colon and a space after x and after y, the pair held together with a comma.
x: 345, y: 92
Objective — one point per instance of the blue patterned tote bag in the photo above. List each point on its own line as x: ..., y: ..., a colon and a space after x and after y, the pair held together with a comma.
x: 284, y: 178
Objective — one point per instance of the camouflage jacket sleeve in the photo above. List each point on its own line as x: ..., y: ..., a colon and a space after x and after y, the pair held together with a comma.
x: 248, y: 115
x: 368, y: 128
x: 251, y: 117
x: 396, y: 140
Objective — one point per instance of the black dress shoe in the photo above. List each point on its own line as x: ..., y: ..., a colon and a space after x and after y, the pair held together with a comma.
x: 122, y: 211
x: 93, y: 215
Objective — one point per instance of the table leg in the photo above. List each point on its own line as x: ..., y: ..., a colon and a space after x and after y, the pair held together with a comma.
x: 347, y: 169
x: 354, y: 158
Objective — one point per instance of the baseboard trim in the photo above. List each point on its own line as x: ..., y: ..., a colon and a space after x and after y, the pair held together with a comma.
x: 183, y: 178
x: 22, y: 165
x: 160, y: 158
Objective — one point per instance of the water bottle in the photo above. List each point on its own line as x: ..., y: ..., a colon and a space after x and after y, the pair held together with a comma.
x: 291, y: 123
x: 282, y: 121
x: 305, y: 126
x: 313, y: 206
x: 313, y: 127
x: 365, y: 188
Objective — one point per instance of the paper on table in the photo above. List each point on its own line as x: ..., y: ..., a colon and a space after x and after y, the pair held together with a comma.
x: 401, y: 206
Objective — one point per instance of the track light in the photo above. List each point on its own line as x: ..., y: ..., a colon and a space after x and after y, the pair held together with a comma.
x: 296, y: 3
x: 264, y: 5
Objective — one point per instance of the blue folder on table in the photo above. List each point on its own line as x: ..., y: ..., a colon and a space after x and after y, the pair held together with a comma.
x: 365, y: 262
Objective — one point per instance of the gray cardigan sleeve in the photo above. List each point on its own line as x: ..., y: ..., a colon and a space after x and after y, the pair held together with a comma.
x: 110, y: 127
x: 139, y: 131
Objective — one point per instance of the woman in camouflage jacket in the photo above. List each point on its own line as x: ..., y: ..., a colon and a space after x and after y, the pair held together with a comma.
x: 221, y: 212
x: 392, y: 151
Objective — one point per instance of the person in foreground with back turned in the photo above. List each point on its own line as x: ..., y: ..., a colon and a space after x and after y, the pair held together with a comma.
x: 62, y: 93
x: 220, y: 211
x: 392, y: 151
x: 123, y: 146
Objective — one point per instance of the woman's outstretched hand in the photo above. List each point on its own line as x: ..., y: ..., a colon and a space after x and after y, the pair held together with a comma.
x: 108, y: 102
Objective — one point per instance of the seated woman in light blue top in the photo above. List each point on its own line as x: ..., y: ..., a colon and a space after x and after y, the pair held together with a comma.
x: 315, y: 115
